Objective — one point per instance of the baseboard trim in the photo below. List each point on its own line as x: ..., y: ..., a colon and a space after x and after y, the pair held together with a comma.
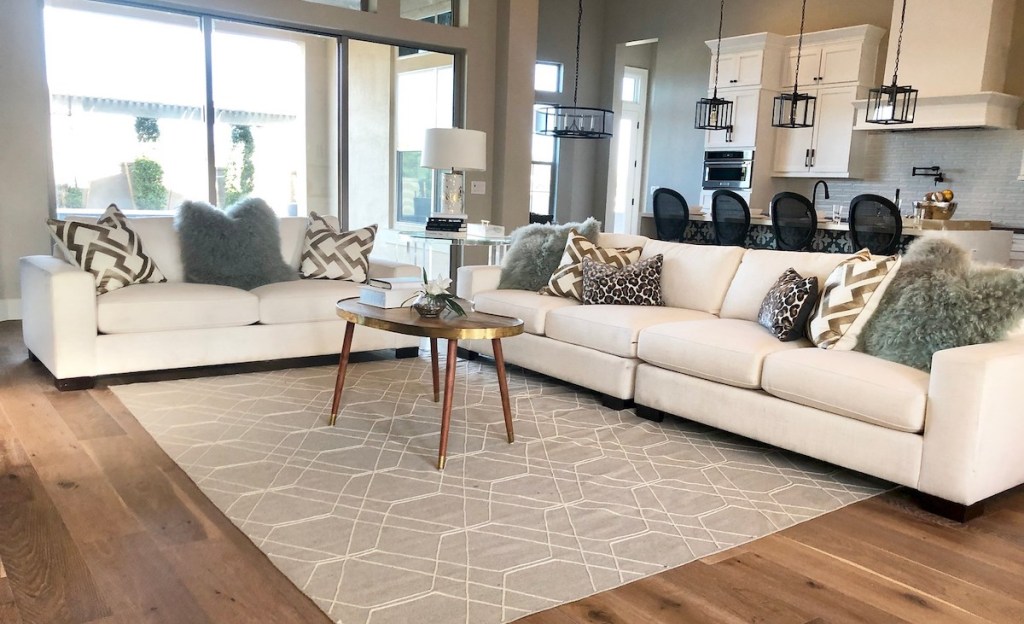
x: 10, y: 309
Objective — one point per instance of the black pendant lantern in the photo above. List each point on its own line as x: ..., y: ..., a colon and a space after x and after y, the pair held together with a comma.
x: 714, y: 113
x: 893, y: 104
x: 795, y: 110
x: 574, y: 122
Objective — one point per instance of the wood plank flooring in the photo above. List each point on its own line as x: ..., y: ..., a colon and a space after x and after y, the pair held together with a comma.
x: 98, y: 525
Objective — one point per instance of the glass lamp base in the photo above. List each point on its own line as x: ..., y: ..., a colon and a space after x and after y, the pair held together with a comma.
x: 452, y: 187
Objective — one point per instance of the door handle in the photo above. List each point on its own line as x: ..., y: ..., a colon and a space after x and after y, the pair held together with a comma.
x: 807, y: 158
x: 814, y: 156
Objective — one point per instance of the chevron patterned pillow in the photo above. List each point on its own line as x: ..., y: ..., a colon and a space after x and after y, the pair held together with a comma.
x: 330, y: 254
x: 567, y: 280
x: 849, y: 298
x: 108, y: 249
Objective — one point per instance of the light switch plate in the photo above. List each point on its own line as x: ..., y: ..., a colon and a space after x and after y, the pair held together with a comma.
x: 478, y: 187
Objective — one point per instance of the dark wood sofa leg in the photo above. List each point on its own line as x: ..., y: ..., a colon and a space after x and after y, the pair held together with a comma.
x: 407, y: 352
x: 32, y: 356
x: 649, y: 413
x: 466, y: 354
x: 957, y: 512
x: 75, y: 383
x: 615, y: 403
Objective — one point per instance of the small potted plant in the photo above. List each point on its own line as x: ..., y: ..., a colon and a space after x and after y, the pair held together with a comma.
x: 434, y: 298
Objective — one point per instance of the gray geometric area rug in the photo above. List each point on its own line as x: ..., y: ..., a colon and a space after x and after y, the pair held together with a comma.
x: 359, y: 518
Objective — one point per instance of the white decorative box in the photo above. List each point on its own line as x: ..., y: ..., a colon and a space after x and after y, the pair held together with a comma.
x: 486, y: 230
x: 381, y: 298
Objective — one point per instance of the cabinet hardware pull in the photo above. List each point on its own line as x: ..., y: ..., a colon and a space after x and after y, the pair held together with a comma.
x: 814, y: 156
x: 733, y: 81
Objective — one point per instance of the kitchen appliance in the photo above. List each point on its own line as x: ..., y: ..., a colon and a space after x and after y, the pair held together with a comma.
x: 728, y: 169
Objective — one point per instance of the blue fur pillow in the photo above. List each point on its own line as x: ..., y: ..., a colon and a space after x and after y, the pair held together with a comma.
x: 536, y: 251
x: 941, y: 300
x: 240, y: 246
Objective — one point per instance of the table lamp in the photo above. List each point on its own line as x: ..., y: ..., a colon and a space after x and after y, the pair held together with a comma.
x: 456, y: 150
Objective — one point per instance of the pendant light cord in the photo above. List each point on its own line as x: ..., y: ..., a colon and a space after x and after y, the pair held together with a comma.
x: 899, y: 44
x: 800, y: 46
x: 579, y: 25
x: 718, y: 50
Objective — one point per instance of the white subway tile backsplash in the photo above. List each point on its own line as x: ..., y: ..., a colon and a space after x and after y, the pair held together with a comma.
x: 981, y: 166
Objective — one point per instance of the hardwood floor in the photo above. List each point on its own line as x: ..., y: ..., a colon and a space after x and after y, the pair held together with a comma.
x: 98, y: 525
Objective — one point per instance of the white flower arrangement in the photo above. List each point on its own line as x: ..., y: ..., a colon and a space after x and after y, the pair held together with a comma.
x: 437, y: 290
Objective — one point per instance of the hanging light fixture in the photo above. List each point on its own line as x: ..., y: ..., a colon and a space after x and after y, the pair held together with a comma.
x: 714, y: 113
x: 893, y: 104
x: 574, y: 122
x: 795, y: 110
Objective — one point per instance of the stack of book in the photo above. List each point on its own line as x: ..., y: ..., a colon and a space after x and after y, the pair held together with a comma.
x: 448, y: 225
x: 390, y: 292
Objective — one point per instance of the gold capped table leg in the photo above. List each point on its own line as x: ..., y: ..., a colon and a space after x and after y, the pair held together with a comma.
x: 433, y: 369
x: 446, y: 409
x: 346, y: 348
x: 499, y: 360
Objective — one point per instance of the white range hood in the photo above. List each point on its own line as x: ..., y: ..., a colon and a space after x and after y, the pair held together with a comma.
x: 955, y: 53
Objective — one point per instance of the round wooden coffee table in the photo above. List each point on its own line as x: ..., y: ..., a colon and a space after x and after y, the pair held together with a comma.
x: 474, y: 325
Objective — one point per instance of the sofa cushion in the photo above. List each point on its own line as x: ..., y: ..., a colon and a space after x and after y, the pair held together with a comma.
x: 851, y: 384
x: 788, y: 304
x: 636, y: 284
x: 174, y: 305
x: 697, y: 276
x: 567, y: 280
x: 239, y: 246
x: 612, y: 329
x: 304, y: 300
x: 110, y: 249
x: 330, y: 254
x: 729, y: 351
x: 529, y: 306
x: 759, y: 270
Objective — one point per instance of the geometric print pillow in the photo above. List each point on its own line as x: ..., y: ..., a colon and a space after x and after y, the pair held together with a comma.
x: 848, y: 299
x: 108, y: 249
x: 329, y: 254
x: 788, y: 304
x: 567, y: 280
x: 636, y: 284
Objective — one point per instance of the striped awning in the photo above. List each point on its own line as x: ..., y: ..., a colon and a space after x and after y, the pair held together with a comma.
x: 160, y: 110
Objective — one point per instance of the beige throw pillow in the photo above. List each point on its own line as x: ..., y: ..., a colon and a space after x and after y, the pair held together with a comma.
x: 849, y: 298
x: 567, y: 280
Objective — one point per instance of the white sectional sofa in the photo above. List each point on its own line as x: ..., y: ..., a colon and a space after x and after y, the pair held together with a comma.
x: 79, y: 336
x: 955, y: 435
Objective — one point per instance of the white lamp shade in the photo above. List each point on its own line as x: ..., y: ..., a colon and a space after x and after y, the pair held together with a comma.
x: 454, y: 148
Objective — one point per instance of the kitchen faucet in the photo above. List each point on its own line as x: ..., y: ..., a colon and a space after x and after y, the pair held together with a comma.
x: 814, y: 193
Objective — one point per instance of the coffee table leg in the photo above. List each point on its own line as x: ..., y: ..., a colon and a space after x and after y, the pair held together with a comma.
x: 446, y: 409
x: 433, y: 369
x: 346, y: 347
x: 499, y: 360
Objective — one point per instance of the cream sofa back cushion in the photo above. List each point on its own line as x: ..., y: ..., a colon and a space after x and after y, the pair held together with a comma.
x: 697, y: 276
x: 759, y: 271
x: 160, y: 241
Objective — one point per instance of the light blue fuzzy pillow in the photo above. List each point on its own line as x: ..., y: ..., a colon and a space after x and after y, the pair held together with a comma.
x: 536, y: 251
x: 240, y: 246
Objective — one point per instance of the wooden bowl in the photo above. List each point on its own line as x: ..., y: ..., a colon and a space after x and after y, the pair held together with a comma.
x: 942, y: 210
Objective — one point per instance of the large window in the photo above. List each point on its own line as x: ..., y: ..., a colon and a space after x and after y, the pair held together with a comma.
x: 547, y: 78
x: 129, y: 110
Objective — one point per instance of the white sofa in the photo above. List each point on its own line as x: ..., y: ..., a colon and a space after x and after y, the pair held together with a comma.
x: 79, y: 336
x: 954, y: 435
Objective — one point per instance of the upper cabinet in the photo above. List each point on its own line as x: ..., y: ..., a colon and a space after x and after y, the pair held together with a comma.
x: 837, y: 67
x: 747, y: 61
x: 737, y: 69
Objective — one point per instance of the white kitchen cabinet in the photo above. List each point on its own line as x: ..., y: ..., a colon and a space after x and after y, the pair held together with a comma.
x: 837, y: 56
x: 737, y: 69
x: 826, y: 150
x: 744, y: 121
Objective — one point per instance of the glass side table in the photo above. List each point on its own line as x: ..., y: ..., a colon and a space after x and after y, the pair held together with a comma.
x: 496, y: 248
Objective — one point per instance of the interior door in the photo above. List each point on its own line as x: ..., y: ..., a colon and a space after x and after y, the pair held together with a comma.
x: 629, y: 152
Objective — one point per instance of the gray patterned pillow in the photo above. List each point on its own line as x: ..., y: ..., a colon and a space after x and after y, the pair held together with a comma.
x: 108, y: 249
x: 330, y: 254
x: 788, y: 304
x: 635, y: 284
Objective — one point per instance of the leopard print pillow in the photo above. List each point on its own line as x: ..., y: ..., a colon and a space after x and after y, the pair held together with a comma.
x: 636, y: 284
x: 788, y: 305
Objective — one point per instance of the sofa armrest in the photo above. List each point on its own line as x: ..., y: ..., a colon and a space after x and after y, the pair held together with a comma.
x: 477, y: 279
x: 974, y: 427
x: 380, y: 267
x: 58, y: 309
